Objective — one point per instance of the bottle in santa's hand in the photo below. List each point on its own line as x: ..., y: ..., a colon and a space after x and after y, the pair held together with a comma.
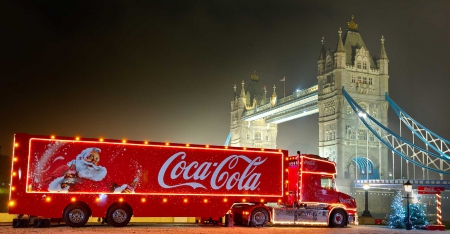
x: 130, y: 187
x: 70, y: 177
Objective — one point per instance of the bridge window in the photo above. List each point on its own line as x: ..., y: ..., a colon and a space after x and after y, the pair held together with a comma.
x: 258, y: 136
x: 359, y: 79
x: 358, y: 65
x: 371, y: 137
x: 333, y: 136
x: 365, y: 66
x: 375, y: 113
x: 370, y: 81
x: 248, y: 136
x: 348, y: 131
x: 353, y: 79
x: 364, y: 106
x: 267, y: 137
x: 362, y: 135
x: 364, y: 80
x: 349, y: 110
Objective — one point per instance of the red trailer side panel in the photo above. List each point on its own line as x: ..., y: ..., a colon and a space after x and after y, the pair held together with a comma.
x: 64, y: 169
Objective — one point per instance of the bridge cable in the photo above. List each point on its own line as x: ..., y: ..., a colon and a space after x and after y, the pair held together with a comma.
x: 395, y: 138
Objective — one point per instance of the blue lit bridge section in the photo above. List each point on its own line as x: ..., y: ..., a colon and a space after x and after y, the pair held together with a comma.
x: 432, y: 158
x: 431, y: 140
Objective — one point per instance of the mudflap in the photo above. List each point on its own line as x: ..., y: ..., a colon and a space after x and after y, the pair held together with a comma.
x: 21, y: 223
x: 229, y: 220
x: 41, y: 222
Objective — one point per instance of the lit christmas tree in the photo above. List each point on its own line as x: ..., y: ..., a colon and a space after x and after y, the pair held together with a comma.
x: 397, y: 214
x: 417, y: 215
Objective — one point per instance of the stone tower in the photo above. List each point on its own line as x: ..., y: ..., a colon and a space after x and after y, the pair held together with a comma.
x: 255, y: 133
x: 343, y: 137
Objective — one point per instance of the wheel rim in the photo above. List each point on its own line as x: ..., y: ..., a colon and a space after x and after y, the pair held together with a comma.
x: 76, y: 216
x: 338, y: 218
x: 259, y: 218
x: 119, y: 215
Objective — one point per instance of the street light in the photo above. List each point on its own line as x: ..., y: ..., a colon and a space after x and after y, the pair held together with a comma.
x: 366, y: 212
x: 408, y: 189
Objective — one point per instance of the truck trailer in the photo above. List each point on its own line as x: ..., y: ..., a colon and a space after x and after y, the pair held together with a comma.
x: 72, y: 179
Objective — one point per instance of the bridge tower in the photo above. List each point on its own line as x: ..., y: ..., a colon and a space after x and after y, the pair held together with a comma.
x: 342, y: 137
x: 256, y: 133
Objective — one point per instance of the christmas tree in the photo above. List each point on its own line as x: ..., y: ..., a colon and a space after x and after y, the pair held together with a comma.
x: 417, y: 215
x: 397, y: 214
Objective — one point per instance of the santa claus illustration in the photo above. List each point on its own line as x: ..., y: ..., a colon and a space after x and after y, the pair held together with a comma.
x: 85, y: 175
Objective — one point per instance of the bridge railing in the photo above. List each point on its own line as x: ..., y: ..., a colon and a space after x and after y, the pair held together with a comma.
x: 403, y: 181
x: 296, y: 95
x: 299, y: 94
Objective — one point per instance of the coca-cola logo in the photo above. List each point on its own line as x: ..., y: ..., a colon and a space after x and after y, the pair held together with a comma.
x: 220, y: 173
x: 345, y: 201
x: 309, y: 162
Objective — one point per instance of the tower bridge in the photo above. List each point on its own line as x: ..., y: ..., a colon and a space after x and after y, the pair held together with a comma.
x: 351, y: 99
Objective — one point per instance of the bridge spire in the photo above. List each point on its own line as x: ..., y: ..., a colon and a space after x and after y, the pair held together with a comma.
x: 340, y: 45
x: 323, y: 52
x: 242, y: 89
x: 383, y: 61
x: 383, y: 54
x: 340, y: 56
x: 352, y: 26
x: 322, y: 56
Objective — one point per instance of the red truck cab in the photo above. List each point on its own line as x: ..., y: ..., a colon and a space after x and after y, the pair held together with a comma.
x: 312, y: 197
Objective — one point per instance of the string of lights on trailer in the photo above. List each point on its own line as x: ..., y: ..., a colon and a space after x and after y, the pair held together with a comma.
x: 48, y: 198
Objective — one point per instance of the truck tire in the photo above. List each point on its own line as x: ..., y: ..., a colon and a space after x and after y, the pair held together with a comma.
x: 337, y: 218
x: 118, y: 215
x: 259, y: 217
x: 76, y: 215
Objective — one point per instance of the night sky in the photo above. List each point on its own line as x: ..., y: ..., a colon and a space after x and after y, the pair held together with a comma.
x: 165, y: 70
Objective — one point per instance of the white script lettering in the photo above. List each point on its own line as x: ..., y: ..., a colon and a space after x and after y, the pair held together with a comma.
x: 222, y: 175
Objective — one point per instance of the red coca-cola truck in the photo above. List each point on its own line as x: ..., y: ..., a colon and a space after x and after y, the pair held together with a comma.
x: 72, y: 179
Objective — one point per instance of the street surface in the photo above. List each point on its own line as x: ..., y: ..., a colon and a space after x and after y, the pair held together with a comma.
x: 206, y: 229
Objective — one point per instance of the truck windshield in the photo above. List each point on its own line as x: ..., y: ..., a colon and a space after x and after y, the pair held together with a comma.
x: 327, y: 182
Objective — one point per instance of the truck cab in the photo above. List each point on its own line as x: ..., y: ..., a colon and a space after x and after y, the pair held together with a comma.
x: 311, y: 198
x: 311, y: 185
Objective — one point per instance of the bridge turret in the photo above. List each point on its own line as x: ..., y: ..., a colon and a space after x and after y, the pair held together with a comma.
x: 383, y: 60
x: 242, y: 89
x: 339, y: 56
x: 321, y: 61
x: 273, y: 99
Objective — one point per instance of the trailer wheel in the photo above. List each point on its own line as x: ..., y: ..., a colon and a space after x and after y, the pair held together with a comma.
x: 76, y: 215
x: 337, y: 218
x: 118, y: 216
x: 259, y: 217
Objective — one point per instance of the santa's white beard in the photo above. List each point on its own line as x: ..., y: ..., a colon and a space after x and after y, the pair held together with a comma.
x: 95, y: 173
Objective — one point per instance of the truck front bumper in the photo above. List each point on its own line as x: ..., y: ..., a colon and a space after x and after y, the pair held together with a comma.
x: 352, y: 219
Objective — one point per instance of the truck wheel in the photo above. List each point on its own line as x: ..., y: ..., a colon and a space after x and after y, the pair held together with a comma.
x: 118, y: 216
x: 337, y: 218
x: 76, y: 215
x: 259, y: 217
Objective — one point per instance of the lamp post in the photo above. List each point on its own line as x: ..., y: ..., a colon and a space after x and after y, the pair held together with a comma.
x: 408, y: 189
x: 366, y: 212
